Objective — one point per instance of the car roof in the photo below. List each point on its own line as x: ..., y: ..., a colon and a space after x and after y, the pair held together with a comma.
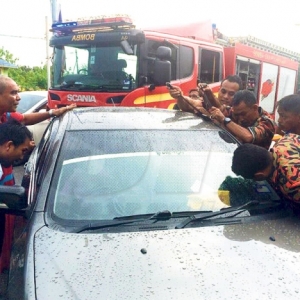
x: 135, y: 118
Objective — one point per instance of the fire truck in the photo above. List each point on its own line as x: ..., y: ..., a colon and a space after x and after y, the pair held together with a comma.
x: 107, y: 61
x: 268, y: 70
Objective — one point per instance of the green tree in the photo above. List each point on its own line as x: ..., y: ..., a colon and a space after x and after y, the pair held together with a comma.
x: 29, y: 79
x: 6, y: 55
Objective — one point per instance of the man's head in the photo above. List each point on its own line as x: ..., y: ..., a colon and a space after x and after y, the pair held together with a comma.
x: 288, y: 109
x: 252, y: 162
x: 14, y: 141
x: 9, y: 95
x: 244, y: 108
x: 194, y: 94
x: 229, y: 86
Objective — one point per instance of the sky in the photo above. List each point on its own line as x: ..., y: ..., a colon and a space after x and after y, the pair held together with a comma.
x: 24, y: 23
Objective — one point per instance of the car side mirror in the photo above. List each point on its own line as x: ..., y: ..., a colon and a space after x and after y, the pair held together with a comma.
x: 12, y: 197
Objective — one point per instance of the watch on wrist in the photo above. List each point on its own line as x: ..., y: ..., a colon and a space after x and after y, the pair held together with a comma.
x: 226, y: 121
x: 50, y: 112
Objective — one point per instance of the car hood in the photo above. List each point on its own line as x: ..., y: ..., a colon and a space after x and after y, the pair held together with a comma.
x: 232, y: 261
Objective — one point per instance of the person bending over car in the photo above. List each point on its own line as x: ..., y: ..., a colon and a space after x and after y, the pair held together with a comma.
x: 248, y: 122
x: 15, y: 139
x: 280, y: 166
x: 9, y: 100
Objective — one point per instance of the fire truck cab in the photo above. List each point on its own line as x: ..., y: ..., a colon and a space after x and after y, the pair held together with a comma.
x: 108, y: 62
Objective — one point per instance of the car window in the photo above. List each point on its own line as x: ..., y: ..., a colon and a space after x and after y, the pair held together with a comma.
x: 28, y: 101
x: 106, y: 174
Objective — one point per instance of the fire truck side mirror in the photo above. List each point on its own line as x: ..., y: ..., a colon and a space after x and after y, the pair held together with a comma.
x: 162, y: 65
x: 163, y: 53
x: 126, y: 47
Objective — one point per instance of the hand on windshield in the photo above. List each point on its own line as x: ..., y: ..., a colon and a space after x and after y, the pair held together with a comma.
x: 59, y: 111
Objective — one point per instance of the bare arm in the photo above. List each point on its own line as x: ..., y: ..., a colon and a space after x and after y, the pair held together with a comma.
x: 185, y: 103
x: 34, y: 118
x: 205, y: 89
x: 241, y: 133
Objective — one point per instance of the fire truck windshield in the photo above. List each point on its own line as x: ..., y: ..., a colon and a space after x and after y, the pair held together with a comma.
x: 90, y: 67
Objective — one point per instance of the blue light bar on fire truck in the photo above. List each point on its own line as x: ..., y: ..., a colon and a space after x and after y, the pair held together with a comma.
x: 101, y: 21
x: 65, y: 24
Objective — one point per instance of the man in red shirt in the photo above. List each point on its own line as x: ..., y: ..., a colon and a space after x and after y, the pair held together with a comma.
x: 9, y: 100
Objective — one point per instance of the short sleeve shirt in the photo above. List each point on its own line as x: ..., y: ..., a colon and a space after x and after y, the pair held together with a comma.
x: 286, y: 165
x: 14, y: 115
x: 263, y: 129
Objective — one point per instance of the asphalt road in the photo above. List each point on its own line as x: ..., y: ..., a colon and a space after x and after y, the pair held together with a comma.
x: 18, y: 172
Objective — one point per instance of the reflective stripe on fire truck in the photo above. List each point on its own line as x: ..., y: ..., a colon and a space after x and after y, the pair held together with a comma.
x: 152, y: 98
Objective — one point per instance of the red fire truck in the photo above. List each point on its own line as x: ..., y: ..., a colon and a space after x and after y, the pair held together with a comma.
x: 107, y: 61
x: 270, y: 71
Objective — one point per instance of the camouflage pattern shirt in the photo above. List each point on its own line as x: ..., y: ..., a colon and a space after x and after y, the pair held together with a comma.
x: 263, y: 129
x: 286, y: 166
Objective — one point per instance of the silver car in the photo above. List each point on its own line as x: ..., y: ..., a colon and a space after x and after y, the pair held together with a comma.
x: 33, y: 102
x: 137, y: 203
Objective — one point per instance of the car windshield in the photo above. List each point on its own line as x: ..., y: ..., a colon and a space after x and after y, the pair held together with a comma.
x: 102, y: 175
x: 27, y: 101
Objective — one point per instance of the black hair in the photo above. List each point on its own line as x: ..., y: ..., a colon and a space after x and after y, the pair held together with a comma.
x: 245, y: 96
x: 248, y: 159
x: 14, y: 131
x: 234, y: 78
x: 194, y: 90
x: 290, y: 103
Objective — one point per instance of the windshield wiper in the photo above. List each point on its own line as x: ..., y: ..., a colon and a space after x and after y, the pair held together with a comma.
x: 96, y: 87
x: 161, y: 215
x: 71, y: 83
x: 118, y: 221
x: 231, y: 211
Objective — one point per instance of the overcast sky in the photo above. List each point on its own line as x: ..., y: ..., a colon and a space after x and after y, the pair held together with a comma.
x: 273, y: 21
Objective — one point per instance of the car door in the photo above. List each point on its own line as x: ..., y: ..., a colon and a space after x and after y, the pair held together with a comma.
x: 26, y: 223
